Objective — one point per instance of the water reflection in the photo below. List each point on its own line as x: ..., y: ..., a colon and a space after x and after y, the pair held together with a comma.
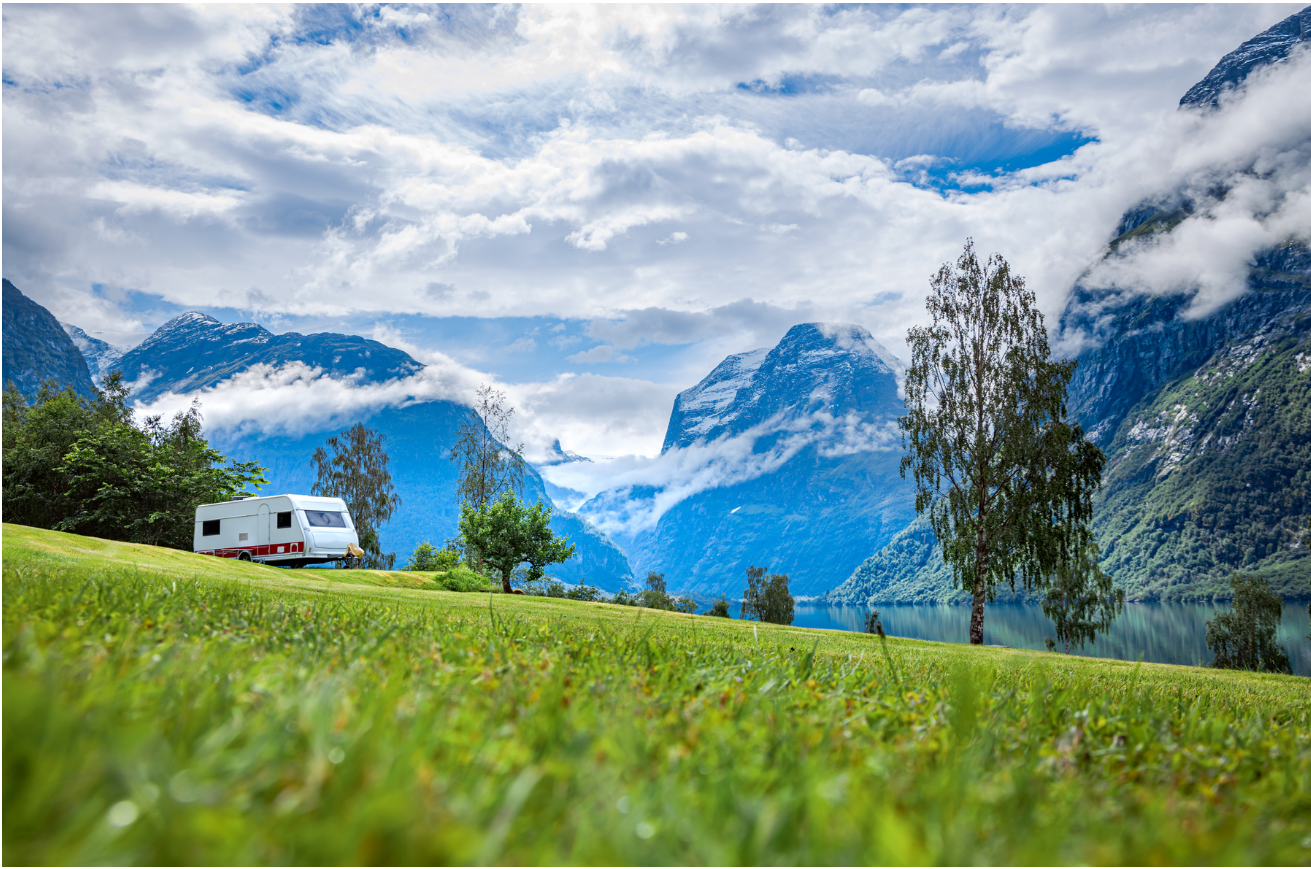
x: 1168, y: 633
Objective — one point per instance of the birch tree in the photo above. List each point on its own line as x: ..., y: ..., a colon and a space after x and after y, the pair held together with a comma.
x: 1007, y: 481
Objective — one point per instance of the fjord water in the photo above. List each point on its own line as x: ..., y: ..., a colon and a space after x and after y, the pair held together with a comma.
x: 1167, y: 633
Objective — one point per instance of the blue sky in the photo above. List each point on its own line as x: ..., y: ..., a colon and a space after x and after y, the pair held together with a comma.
x: 582, y: 201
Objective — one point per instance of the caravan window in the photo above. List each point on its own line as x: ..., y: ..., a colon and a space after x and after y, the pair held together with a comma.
x: 284, y: 519
x: 324, y: 519
x: 209, y: 527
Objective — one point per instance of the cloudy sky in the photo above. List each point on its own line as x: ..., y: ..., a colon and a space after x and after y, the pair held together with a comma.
x: 592, y: 206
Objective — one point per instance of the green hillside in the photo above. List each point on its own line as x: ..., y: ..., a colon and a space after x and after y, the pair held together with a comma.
x: 1212, y: 474
x: 162, y: 707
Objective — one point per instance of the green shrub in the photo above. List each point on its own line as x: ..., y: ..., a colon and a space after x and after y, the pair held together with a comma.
x: 623, y: 598
x: 684, y: 604
x: 461, y: 578
x: 720, y: 608
x: 545, y: 588
x: 583, y: 591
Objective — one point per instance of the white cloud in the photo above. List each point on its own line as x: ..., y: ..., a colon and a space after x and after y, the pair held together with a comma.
x: 600, y: 353
x: 697, y: 176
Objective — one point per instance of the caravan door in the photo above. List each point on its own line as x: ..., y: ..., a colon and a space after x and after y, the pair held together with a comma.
x: 263, y: 529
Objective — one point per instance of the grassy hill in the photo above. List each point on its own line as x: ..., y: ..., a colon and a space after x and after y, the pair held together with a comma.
x: 161, y: 707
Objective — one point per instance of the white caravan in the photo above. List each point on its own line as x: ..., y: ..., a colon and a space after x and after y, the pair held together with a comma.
x: 292, y: 530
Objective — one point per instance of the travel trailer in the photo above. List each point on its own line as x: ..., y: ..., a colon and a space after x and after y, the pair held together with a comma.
x: 290, y: 530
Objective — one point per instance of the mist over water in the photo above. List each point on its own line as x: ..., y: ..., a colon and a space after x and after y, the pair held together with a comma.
x: 1166, y: 633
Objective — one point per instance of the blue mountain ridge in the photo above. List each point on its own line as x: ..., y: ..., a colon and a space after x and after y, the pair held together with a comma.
x: 36, y: 348
x: 814, y: 516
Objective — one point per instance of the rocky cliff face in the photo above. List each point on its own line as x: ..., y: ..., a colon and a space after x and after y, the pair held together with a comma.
x: 37, y: 349
x: 100, y: 357
x: 817, y: 413
x: 829, y: 368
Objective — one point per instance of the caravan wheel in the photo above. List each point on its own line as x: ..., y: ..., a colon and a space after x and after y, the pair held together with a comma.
x: 245, y: 556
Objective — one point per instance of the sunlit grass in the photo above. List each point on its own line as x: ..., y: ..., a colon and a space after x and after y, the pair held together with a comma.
x: 161, y: 707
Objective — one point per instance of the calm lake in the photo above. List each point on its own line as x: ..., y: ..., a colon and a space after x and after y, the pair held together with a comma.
x: 1168, y: 633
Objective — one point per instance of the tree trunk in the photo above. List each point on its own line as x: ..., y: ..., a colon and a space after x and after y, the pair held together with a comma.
x: 980, y: 588
x: 976, y: 614
x: 505, y: 583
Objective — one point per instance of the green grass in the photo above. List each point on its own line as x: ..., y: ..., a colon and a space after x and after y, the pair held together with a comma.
x: 161, y: 707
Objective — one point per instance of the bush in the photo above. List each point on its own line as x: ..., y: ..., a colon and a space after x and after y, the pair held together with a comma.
x: 720, y: 608
x: 545, y: 588
x: 623, y: 598
x: 685, y: 604
x: 583, y: 591
x: 461, y: 578
x: 1244, y: 637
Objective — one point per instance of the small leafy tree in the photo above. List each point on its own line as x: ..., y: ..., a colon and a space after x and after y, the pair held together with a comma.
x: 684, y: 604
x: 767, y: 598
x: 508, y: 533
x: 872, y: 623
x: 356, y: 471
x: 1006, y: 479
x: 489, y: 467
x: 655, y: 596
x: 429, y: 558
x: 623, y: 598
x: 1080, y: 600
x: 1244, y: 637
x: 720, y: 608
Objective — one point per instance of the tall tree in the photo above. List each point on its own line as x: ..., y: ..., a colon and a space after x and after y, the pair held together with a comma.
x: 356, y: 471
x: 1006, y: 479
x: 489, y: 466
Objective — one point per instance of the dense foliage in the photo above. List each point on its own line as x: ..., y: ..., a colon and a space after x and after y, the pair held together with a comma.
x: 1005, y: 479
x: 767, y: 598
x: 176, y: 718
x: 356, y: 471
x: 427, y: 557
x: 509, y: 533
x: 1080, y: 601
x: 1212, y: 475
x: 83, y: 465
x: 1244, y: 637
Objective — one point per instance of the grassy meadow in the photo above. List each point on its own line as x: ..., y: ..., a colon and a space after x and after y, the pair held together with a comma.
x: 162, y: 707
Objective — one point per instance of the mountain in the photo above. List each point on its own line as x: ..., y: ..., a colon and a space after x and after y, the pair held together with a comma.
x: 101, y: 358
x: 194, y: 350
x: 37, y: 349
x: 1270, y: 47
x: 1206, y: 421
x: 802, y: 442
